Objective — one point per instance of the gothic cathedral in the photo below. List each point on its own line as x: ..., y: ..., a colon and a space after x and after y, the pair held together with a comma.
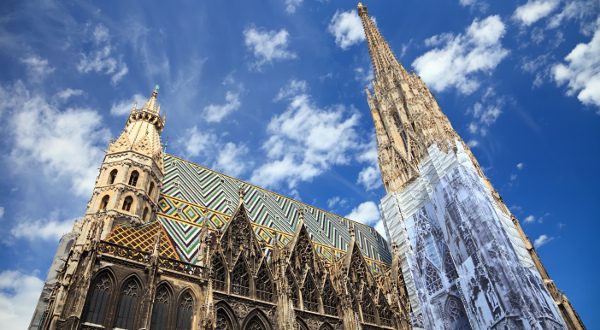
x: 168, y: 244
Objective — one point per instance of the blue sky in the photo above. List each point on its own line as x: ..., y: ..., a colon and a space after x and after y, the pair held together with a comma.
x: 272, y: 92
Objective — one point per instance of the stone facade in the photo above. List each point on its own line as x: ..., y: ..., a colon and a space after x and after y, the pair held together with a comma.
x: 144, y: 259
x: 466, y: 261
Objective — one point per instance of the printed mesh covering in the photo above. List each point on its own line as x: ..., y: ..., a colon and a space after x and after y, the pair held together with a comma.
x: 192, y: 194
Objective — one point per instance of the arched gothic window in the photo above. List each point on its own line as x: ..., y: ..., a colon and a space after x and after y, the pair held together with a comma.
x: 184, y: 312
x: 310, y: 295
x: 151, y: 189
x: 264, y: 286
x: 432, y: 279
x: 330, y: 299
x: 255, y: 324
x: 386, y: 316
x: 456, y: 314
x: 240, y: 279
x: 127, y: 202
x: 133, y: 178
x: 293, y: 287
x: 128, y: 301
x: 104, y: 203
x: 98, y: 299
x: 223, y: 320
x: 326, y: 326
x: 301, y: 324
x: 145, y: 214
x: 219, y: 273
x: 368, y: 308
x: 160, y: 308
x: 112, y: 176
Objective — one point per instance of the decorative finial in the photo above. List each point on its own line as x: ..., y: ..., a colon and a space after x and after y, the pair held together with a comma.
x: 351, y: 230
x: 301, y: 215
x: 242, y: 192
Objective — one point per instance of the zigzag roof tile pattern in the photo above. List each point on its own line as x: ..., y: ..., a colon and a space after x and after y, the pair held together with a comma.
x: 192, y: 194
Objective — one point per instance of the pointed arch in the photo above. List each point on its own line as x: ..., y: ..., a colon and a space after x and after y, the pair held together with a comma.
x: 455, y: 312
x: 163, y: 299
x: 433, y: 280
x: 326, y: 326
x: 225, y: 317
x: 127, y: 203
x: 330, y: 298
x: 240, y: 278
x: 301, y: 324
x: 293, y: 286
x: 185, y: 310
x: 98, y: 297
x: 151, y: 189
x: 129, y: 299
x: 368, y: 308
x: 310, y: 294
x: 256, y: 320
x: 386, y: 315
x: 264, y: 283
x: 133, y: 178
x: 219, y: 272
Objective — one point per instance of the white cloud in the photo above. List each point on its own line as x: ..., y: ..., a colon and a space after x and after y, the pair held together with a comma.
x: 364, y: 76
x: 581, y: 73
x: 267, y: 46
x: 37, y: 68
x: 347, y: 28
x: 67, y: 93
x: 195, y: 142
x: 214, y: 113
x: 584, y: 11
x: 529, y: 219
x: 231, y: 159
x: 19, y: 293
x: 123, y: 107
x: 294, y: 87
x: 370, y: 178
x: 534, y: 10
x: 473, y: 143
x: 542, y: 240
x: 461, y: 57
x: 367, y: 213
x: 101, y: 58
x: 520, y: 166
x: 336, y: 201
x: 292, y: 5
x: 44, y: 229
x: 380, y: 227
x: 1, y: 212
x: 59, y: 143
x: 305, y: 141
x: 485, y: 112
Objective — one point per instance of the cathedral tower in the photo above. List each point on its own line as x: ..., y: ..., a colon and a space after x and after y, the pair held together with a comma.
x: 466, y: 261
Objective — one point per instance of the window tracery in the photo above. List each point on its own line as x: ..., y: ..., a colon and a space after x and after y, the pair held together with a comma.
x: 368, y: 309
x: 330, y: 299
x: 128, y: 301
x: 456, y: 314
x: 301, y: 325
x: 386, y: 316
x: 240, y: 279
x: 219, y: 273
x: 264, y: 286
x: 223, y: 322
x: 98, y: 299
x: 255, y: 324
x: 184, y: 312
x: 310, y: 295
x: 160, y: 308
x: 432, y: 279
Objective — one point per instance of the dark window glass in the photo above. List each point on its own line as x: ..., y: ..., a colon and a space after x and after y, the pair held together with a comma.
x: 127, y: 203
x: 145, y: 214
x: 255, y: 324
x: 264, y: 286
x: 104, y: 203
x: 310, y: 295
x: 184, y: 312
x: 368, y: 309
x: 160, y: 309
x: 330, y: 299
x: 223, y: 321
x: 128, y: 301
x: 240, y: 280
x: 98, y: 299
x: 219, y: 273
x: 112, y: 176
x: 151, y: 189
x: 133, y: 179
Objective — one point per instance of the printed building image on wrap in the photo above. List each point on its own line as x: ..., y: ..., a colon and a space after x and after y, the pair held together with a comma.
x: 169, y: 244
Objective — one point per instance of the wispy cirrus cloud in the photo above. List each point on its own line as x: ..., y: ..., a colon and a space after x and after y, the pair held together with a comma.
x: 267, y: 45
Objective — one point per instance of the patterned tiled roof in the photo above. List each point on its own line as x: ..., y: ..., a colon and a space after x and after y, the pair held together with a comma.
x: 192, y: 194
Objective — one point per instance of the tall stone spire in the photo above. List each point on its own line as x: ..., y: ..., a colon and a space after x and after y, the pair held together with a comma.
x: 447, y: 219
x: 406, y: 115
